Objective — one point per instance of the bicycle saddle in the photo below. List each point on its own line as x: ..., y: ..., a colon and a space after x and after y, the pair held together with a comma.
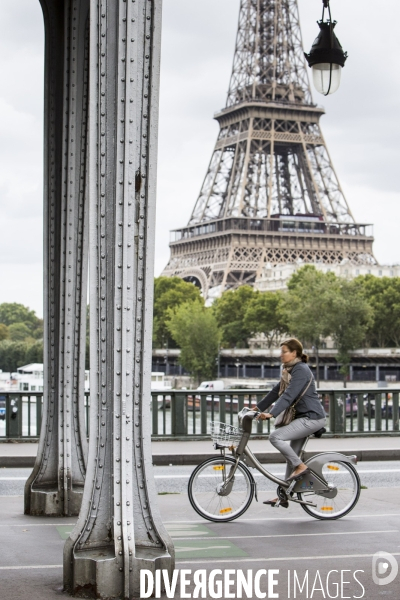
x: 320, y: 432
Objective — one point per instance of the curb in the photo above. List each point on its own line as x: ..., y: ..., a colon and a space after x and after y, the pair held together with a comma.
x: 17, y: 462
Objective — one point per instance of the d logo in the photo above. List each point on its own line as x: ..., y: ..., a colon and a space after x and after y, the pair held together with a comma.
x: 384, y: 564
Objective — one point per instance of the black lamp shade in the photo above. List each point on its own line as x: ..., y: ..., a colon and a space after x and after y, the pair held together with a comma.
x: 326, y: 48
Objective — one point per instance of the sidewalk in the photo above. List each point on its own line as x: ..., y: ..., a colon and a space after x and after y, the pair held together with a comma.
x: 192, y: 452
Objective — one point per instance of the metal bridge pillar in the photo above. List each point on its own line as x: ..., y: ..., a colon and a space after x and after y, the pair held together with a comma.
x: 55, y: 486
x: 119, y: 530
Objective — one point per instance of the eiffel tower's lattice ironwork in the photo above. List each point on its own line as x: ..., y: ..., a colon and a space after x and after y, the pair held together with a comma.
x: 271, y: 194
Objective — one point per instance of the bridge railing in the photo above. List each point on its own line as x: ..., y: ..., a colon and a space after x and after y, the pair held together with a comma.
x: 184, y: 414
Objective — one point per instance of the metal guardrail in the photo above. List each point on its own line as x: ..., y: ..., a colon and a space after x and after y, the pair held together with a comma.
x: 21, y: 414
x: 181, y: 413
x: 178, y: 414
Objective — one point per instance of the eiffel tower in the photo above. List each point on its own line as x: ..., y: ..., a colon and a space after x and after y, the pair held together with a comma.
x: 271, y: 195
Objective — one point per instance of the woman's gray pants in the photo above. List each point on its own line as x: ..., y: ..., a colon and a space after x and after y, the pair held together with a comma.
x: 295, y: 433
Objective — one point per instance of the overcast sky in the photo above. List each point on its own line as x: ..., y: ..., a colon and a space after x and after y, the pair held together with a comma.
x: 361, y: 125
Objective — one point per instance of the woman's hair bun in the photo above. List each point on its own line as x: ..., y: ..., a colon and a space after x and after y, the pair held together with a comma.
x: 304, y: 358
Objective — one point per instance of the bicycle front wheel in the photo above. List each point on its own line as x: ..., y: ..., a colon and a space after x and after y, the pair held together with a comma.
x: 213, y: 502
x: 345, y: 486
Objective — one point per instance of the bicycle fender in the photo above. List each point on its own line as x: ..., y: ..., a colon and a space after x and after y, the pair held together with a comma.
x: 323, y: 457
x: 315, y: 481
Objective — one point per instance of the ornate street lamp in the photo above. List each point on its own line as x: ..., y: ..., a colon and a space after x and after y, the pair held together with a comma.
x: 326, y: 57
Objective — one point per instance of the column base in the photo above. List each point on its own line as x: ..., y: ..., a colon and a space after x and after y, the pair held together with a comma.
x: 97, y: 574
x: 49, y: 502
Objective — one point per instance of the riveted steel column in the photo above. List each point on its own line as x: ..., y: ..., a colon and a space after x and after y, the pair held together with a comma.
x: 55, y: 486
x: 119, y: 530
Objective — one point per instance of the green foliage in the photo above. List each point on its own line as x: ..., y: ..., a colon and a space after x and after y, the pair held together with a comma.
x: 12, y: 355
x: 319, y: 305
x: 195, y: 330
x: 20, y: 320
x: 383, y: 295
x: 34, y: 353
x: 351, y: 316
x: 265, y: 314
x: 308, y: 304
x: 230, y: 310
x: 4, y: 334
x: 169, y: 293
x: 18, y: 332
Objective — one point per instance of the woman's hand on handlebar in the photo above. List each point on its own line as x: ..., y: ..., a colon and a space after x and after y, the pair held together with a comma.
x: 264, y: 416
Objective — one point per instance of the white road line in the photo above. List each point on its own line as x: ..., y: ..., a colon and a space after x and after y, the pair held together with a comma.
x: 245, y: 537
x: 204, y: 521
x: 29, y: 525
x: 216, y: 560
x: 360, y: 471
x: 276, y: 559
x: 32, y: 567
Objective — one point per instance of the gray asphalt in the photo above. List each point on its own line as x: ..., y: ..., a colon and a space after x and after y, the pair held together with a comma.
x: 174, y: 479
x: 287, y: 540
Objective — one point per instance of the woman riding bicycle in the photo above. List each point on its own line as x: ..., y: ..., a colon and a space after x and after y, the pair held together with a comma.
x: 297, y: 386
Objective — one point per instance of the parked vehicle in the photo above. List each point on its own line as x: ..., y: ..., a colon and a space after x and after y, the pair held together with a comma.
x: 213, y: 386
x: 351, y: 405
x: 370, y: 406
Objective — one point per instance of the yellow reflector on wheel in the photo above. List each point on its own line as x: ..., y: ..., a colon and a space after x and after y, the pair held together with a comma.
x: 333, y: 468
x: 327, y: 508
x: 225, y: 510
x: 219, y: 468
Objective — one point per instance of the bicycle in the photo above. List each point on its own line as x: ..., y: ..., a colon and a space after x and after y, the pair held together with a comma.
x: 222, y: 488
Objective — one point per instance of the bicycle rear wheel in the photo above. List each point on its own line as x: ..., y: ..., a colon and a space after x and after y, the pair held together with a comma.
x: 203, y: 490
x: 345, y: 484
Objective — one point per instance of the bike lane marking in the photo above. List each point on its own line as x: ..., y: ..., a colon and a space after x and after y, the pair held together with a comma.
x: 188, y: 545
x: 64, y: 531
x: 188, y: 530
x: 219, y: 548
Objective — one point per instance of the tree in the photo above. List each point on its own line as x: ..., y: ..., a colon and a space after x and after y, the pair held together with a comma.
x: 383, y: 295
x: 19, y: 332
x: 230, y: 310
x: 34, y: 353
x: 195, y: 330
x: 12, y: 355
x: 4, y: 334
x: 351, y: 317
x: 308, y: 306
x: 13, y: 313
x: 169, y: 293
x: 265, y: 315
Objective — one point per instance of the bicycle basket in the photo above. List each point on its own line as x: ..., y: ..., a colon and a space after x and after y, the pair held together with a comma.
x: 224, y: 434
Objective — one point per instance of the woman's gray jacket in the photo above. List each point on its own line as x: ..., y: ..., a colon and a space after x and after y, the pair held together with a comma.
x: 309, y: 406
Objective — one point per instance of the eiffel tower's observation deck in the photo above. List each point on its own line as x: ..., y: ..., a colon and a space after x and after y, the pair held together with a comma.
x: 270, y: 195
